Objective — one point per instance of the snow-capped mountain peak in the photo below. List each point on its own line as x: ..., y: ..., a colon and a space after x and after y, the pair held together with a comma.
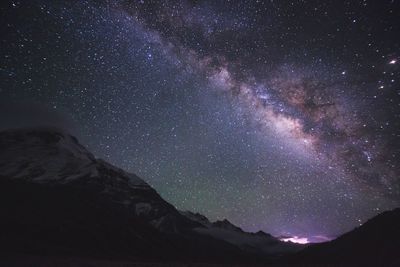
x: 44, y: 154
x: 50, y: 155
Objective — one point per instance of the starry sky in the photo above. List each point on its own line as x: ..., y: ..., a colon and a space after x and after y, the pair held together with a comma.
x: 282, y: 116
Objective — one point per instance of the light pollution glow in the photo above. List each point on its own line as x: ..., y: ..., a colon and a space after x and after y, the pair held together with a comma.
x: 296, y: 239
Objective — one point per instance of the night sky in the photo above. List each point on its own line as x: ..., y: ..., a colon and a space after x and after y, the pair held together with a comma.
x: 282, y: 116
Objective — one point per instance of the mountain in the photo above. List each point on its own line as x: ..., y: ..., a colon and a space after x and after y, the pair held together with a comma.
x: 259, y: 243
x: 56, y: 198
x: 375, y: 243
x: 50, y: 157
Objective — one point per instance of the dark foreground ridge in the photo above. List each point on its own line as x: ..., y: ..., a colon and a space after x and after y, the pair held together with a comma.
x: 375, y: 243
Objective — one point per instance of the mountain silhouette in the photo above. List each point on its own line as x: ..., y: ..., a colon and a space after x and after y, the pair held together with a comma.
x: 56, y: 198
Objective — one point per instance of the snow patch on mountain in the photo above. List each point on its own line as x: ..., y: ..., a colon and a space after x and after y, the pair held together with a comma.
x: 143, y: 208
x: 49, y: 155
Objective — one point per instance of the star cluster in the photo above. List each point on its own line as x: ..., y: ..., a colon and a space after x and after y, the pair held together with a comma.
x: 278, y: 115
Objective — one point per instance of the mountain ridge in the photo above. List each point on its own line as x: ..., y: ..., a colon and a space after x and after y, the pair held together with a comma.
x: 90, y: 199
x: 374, y: 243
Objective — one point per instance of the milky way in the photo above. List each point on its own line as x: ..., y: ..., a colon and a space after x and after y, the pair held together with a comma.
x: 278, y: 115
